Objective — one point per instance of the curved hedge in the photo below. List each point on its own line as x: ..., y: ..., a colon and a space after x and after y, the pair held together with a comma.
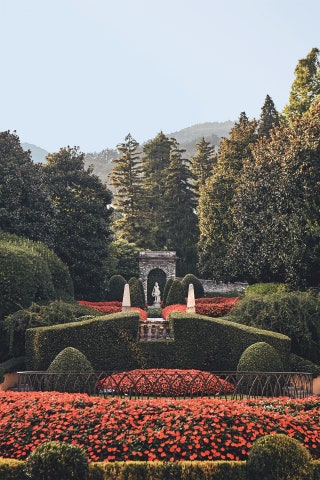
x: 110, y: 343
x: 30, y: 272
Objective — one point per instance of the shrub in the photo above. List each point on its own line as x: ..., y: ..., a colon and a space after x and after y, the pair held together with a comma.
x: 116, y: 287
x: 57, y: 461
x: 260, y: 357
x: 29, y: 272
x: 11, y: 469
x: 69, y: 360
x: 295, y: 314
x: 299, y: 364
x: 176, y: 294
x: 55, y: 313
x: 136, y: 297
x: 197, y: 285
x: 166, y: 289
x: 278, y: 457
x: 266, y: 289
x: 11, y: 365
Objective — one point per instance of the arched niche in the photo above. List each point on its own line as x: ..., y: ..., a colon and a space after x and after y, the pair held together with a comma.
x: 162, y: 260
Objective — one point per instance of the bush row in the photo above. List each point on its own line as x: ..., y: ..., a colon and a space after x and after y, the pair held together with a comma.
x: 110, y: 343
x: 11, y: 469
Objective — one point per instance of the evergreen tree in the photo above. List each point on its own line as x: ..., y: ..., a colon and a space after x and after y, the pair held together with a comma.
x: 306, y: 85
x: 269, y: 117
x: 26, y: 207
x: 201, y: 164
x: 83, y: 221
x: 155, y: 161
x: 277, y: 208
x: 126, y: 179
x: 217, y: 199
x: 180, y: 224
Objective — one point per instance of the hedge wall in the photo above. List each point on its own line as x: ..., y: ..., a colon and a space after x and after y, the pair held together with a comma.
x: 110, y: 343
x: 29, y: 272
x: 227, y: 470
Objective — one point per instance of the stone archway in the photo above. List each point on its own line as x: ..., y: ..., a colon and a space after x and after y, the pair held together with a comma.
x: 162, y: 260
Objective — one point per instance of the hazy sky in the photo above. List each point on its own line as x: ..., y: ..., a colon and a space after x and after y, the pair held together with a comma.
x: 87, y: 72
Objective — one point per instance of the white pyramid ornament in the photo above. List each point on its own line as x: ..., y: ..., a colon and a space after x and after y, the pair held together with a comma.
x: 126, y: 302
x: 191, y: 302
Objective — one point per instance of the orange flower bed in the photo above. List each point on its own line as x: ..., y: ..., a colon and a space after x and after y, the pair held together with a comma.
x: 152, y: 429
x: 211, y: 307
x: 111, y: 307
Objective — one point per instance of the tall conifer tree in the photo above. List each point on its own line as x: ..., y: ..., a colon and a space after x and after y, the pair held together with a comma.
x: 181, y: 226
x: 201, y: 164
x: 306, y: 85
x: 269, y: 117
x: 216, y: 200
x: 126, y: 178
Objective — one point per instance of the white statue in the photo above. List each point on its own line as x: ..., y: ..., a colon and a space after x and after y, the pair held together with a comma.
x: 156, y: 293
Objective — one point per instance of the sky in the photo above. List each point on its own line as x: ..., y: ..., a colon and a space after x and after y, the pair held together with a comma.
x: 88, y: 72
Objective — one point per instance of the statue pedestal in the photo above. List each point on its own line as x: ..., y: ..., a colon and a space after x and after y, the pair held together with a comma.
x: 156, y: 305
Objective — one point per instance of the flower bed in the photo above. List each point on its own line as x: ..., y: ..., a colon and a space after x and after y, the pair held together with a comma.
x: 166, y: 382
x: 211, y: 307
x: 111, y: 307
x: 154, y: 429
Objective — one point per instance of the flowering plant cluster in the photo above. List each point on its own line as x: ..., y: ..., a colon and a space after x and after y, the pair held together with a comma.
x: 152, y: 429
x: 111, y: 307
x: 166, y: 382
x: 177, y: 307
x: 211, y: 307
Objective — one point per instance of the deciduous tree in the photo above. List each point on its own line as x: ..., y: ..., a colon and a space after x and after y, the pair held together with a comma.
x: 83, y: 220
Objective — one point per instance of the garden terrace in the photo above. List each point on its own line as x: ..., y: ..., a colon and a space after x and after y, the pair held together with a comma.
x: 171, y: 383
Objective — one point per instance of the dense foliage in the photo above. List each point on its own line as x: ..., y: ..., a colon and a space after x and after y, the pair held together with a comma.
x: 30, y: 271
x: 295, y: 314
x: 154, y: 429
x: 83, y: 216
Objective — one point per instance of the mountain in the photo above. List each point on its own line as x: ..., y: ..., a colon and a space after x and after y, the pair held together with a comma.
x: 187, y: 139
x: 38, y: 154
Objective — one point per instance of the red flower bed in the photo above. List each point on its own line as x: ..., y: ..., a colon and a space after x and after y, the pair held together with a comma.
x: 173, y: 308
x: 211, y: 307
x: 154, y: 429
x: 166, y: 382
x: 111, y: 307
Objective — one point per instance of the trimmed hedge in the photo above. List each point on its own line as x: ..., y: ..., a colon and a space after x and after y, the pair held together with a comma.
x: 279, y: 457
x: 175, y: 294
x: 11, y: 365
x: 136, y: 294
x: 197, y: 285
x: 57, y: 312
x: 30, y: 272
x: 260, y: 357
x: 116, y: 288
x: 110, y: 343
x: 11, y: 469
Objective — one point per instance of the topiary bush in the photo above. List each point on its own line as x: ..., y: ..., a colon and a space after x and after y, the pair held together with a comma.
x: 197, y: 285
x: 67, y: 361
x: 176, y: 294
x: 279, y: 457
x: 11, y: 469
x: 299, y: 364
x: 166, y: 289
x: 260, y: 357
x: 136, y: 297
x: 115, y: 288
x: 57, y: 461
